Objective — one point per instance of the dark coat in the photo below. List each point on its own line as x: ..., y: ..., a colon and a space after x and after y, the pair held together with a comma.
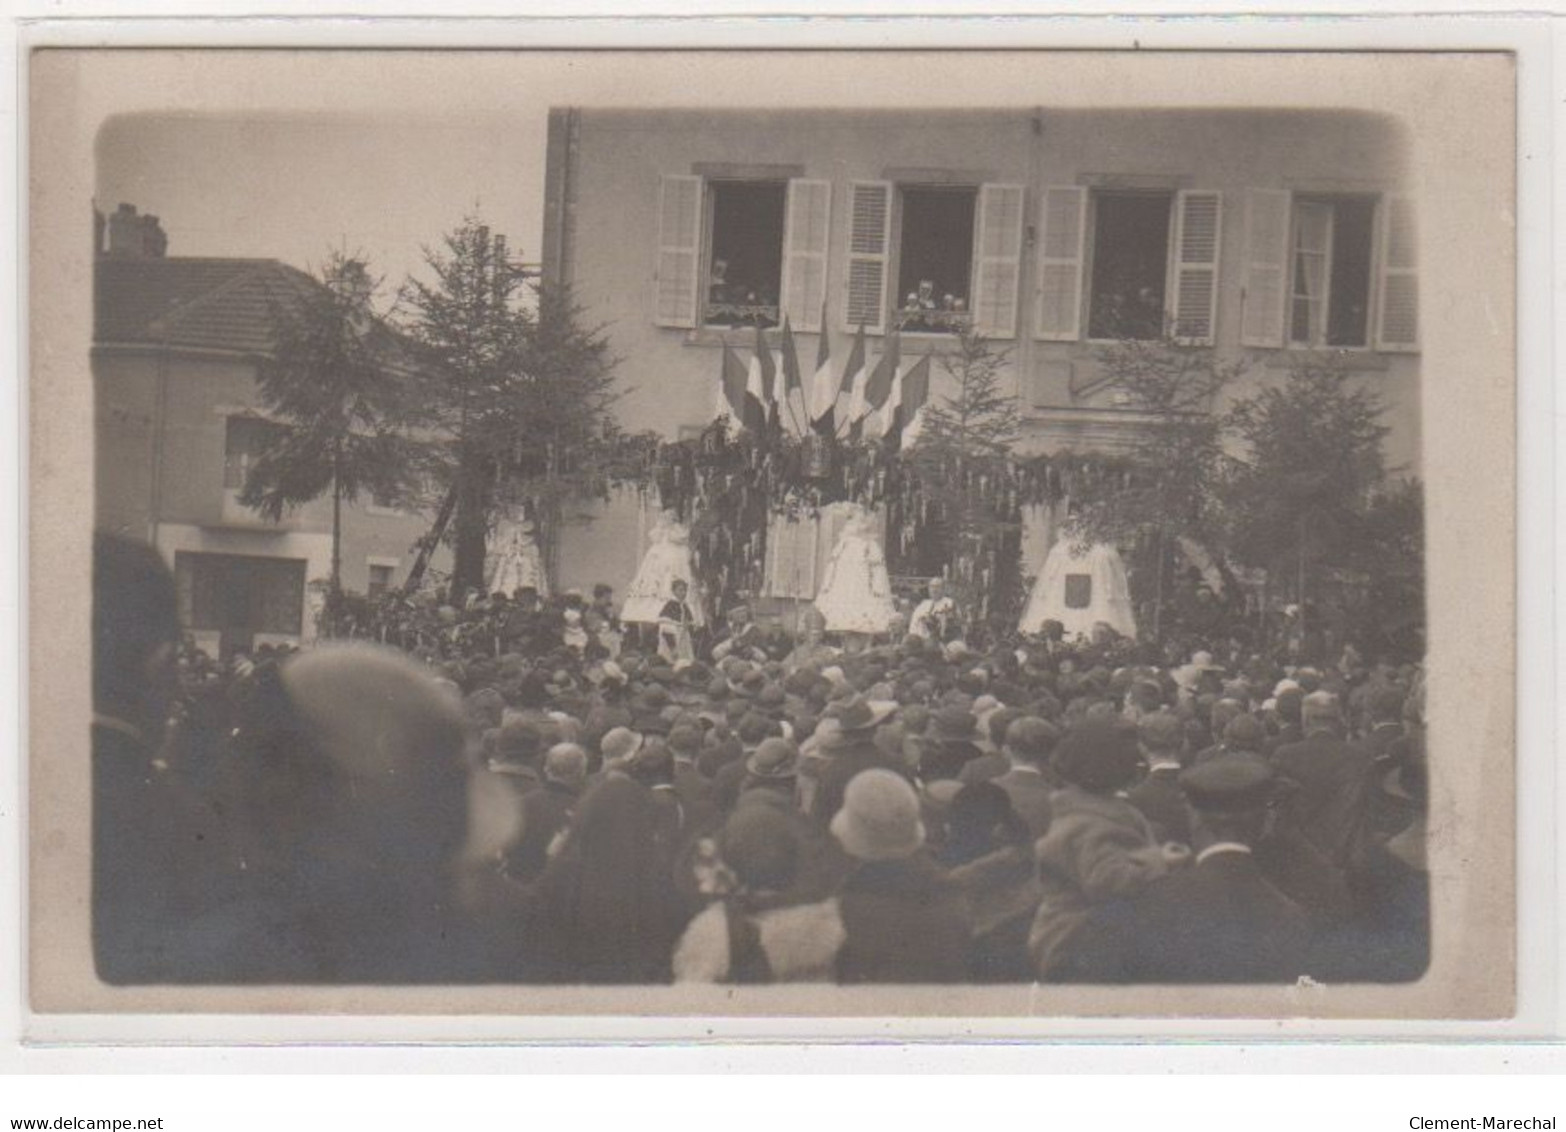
x: 160, y: 868
x: 1330, y: 804
x: 905, y: 923
x: 1030, y: 793
x: 1216, y: 922
x: 1163, y: 804
x: 545, y: 812
x: 846, y: 762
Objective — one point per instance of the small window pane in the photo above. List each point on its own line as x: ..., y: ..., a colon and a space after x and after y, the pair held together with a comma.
x: 1079, y: 591
x: 380, y: 581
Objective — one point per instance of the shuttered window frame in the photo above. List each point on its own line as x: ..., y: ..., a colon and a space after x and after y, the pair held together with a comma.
x: 677, y: 264
x: 804, y: 258
x: 997, y: 259
x: 868, y: 252
x: 1187, y: 269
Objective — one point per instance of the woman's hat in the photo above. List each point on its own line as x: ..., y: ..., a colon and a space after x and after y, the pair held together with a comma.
x: 879, y: 819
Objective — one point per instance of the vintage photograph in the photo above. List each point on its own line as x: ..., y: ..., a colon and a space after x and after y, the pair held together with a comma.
x: 674, y: 542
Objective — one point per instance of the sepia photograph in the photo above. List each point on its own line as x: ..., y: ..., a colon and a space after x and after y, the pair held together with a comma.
x: 787, y: 534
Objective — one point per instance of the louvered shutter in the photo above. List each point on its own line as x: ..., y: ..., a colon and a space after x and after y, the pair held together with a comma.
x: 1266, y: 266
x: 869, y: 240
x: 1397, y: 314
x: 679, y: 251
x: 1062, y: 239
x: 805, y: 252
x: 997, y: 260
x: 1197, y: 244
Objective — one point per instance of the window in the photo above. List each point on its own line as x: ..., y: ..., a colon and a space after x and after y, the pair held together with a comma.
x: 1329, y: 302
x: 240, y: 593
x: 935, y: 258
x: 244, y: 442
x: 745, y: 264
x: 953, y: 254
x: 741, y: 252
x: 1142, y: 262
x: 380, y: 581
x: 1130, y: 265
x: 1330, y: 270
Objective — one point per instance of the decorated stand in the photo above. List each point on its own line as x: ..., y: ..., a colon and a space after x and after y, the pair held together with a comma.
x: 668, y: 558
x: 1081, y: 589
x: 856, y: 591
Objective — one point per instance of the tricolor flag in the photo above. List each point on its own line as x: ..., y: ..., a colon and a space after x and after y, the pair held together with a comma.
x: 877, y: 389
x: 793, y: 409
x: 731, y: 388
x: 759, y: 379
x: 850, y: 384
x: 823, y: 385
x: 903, y: 410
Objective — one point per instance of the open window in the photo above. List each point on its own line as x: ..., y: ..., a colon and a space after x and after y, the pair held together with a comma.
x: 734, y: 252
x: 1126, y: 291
x: 1330, y: 271
x: 935, y: 258
x: 1143, y: 262
x: 745, y: 253
x: 245, y: 440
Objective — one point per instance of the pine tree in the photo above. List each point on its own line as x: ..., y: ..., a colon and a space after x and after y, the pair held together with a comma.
x: 1177, y: 459
x: 522, y: 389
x: 336, y: 384
x: 962, y: 451
x: 1300, y: 498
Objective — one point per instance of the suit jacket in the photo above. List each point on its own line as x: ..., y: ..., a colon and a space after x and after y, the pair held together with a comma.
x: 1163, y: 804
x: 1215, y: 922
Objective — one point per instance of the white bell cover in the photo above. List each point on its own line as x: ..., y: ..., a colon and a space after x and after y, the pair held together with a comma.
x: 519, y: 564
x: 856, y: 591
x: 1109, y: 597
x: 668, y: 557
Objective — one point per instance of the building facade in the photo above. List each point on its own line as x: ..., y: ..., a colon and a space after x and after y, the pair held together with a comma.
x: 179, y: 419
x: 1267, y: 236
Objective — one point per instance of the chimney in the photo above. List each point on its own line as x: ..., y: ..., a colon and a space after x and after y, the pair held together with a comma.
x: 135, y: 237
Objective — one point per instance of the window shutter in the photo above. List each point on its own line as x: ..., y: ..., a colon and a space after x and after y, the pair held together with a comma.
x: 1266, y: 267
x: 1397, y: 315
x: 997, y: 260
x: 1062, y: 238
x: 805, y: 252
x: 869, y: 240
x: 1197, y: 244
x: 679, y: 250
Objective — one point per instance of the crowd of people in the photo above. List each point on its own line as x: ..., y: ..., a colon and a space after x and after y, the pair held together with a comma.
x: 529, y: 791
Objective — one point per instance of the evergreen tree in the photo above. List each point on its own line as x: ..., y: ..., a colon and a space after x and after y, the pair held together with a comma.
x: 963, y: 447
x: 1177, y: 459
x: 1300, y: 497
x: 520, y: 387
x: 336, y: 385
